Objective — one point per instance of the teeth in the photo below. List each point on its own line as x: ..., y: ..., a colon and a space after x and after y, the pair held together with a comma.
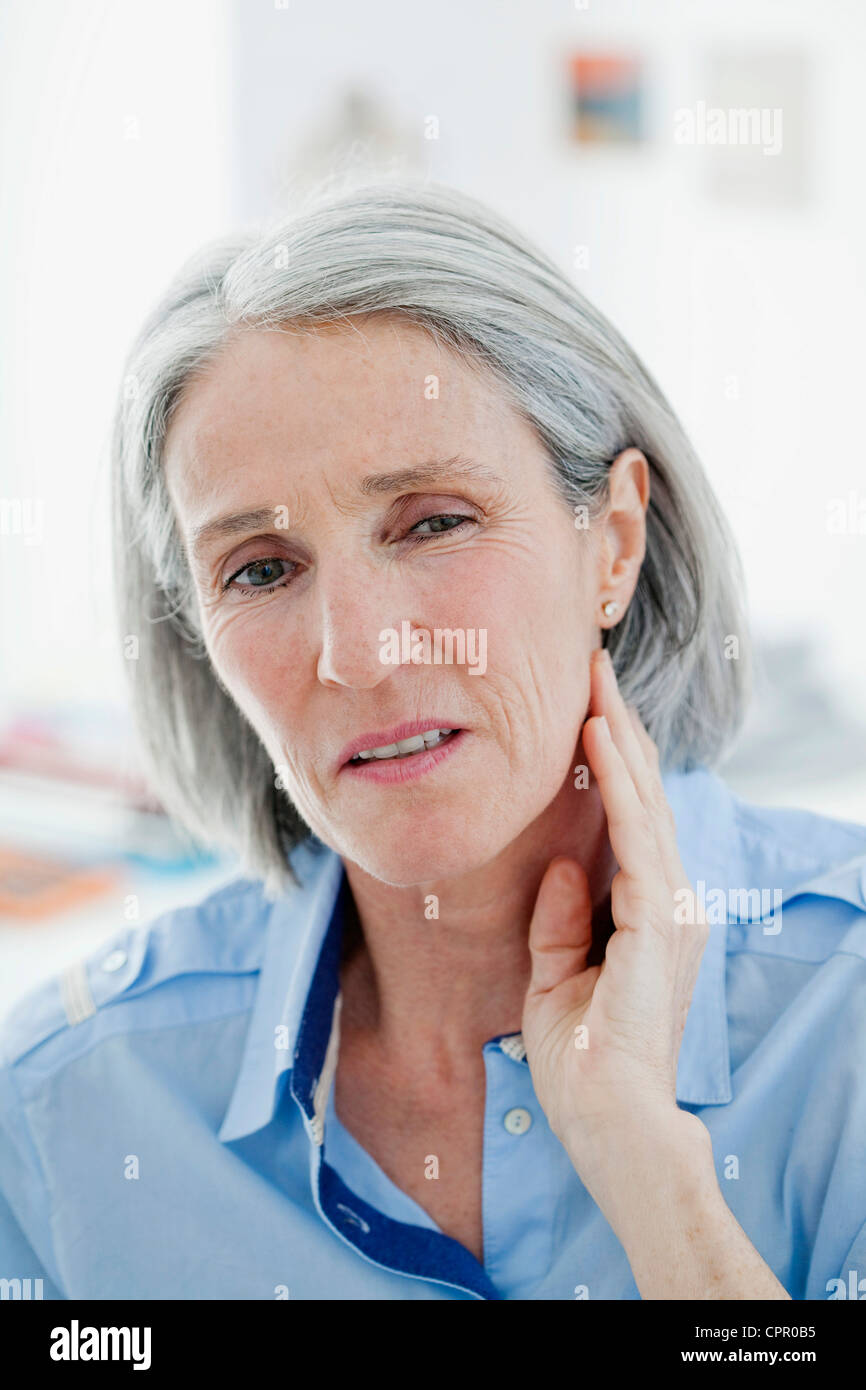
x: 404, y: 746
x: 410, y: 745
x: 388, y: 750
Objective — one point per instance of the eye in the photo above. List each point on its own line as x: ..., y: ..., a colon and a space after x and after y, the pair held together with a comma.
x: 438, y: 530
x: 268, y: 574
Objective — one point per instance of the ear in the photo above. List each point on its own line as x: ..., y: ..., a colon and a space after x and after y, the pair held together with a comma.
x: 622, y: 533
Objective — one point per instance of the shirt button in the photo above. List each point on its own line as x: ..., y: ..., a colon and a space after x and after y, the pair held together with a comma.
x: 113, y: 961
x: 517, y: 1121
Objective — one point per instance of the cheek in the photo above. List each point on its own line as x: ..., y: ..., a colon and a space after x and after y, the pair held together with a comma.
x: 539, y: 638
x: 541, y: 621
x: 253, y: 658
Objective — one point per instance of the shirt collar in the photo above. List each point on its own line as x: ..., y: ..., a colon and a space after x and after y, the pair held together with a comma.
x: 296, y: 932
x: 756, y: 859
x: 297, y: 1003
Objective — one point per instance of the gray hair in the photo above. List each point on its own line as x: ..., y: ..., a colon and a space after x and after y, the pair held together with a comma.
x: 448, y: 264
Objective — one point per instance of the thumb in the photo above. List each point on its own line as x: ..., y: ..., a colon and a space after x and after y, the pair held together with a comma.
x: 560, y: 932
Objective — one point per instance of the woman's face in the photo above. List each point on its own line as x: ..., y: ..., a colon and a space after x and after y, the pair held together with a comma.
x: 330, y: 486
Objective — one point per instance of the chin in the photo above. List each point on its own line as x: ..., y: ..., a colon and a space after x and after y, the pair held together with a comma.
x: 437, y: 847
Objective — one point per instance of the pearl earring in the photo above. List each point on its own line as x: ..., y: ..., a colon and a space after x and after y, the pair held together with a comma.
x: 609, y: 608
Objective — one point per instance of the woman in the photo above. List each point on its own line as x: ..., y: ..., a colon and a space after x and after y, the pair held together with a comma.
x: 517, y: 1000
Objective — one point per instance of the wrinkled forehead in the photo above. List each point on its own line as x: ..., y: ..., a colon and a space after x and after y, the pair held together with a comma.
x: 288, y: 406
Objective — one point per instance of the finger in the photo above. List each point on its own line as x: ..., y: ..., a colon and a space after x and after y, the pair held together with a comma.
x: 660, y: 807
x: 641, y: 758
x: 607, y: 700
x: 650, y: 751
x: 560, y: 932
x: 628, y: 823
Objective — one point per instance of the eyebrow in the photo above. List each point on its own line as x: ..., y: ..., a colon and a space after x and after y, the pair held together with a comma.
x: 232, y: 525
x: 434, y: 471
x: 374, y: 485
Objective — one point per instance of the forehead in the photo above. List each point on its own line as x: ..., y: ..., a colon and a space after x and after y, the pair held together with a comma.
x: 337, y: 392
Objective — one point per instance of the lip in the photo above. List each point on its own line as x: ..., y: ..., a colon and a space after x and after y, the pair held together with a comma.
x: 391, y: 771
x: 380, y: 738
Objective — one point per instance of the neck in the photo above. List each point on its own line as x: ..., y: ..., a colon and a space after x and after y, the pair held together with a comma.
x: 428, y: 991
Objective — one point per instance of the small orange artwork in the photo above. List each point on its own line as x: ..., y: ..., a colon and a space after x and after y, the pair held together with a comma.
x: 607, y: 99
x: 33, y: 886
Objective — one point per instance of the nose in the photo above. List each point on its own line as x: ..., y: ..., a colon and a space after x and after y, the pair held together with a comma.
x: 353, y: 610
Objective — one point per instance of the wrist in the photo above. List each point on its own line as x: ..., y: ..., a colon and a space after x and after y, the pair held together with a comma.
x: 656, y: 1186
x: 659, y: 1161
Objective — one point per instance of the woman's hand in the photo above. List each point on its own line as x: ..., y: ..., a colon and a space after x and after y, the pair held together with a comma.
x: 602, y: 1042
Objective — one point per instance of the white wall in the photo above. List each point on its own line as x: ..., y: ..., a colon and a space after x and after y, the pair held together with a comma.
x: 113, y: 139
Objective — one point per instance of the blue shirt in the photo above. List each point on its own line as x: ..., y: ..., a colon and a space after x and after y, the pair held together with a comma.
x: 167, y: 1126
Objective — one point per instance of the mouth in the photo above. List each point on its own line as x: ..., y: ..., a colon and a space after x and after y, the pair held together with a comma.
x: 411, y: 749
x: 404, y: 747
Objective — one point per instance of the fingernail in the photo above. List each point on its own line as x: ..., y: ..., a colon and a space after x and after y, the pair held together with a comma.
x: 604, y: 726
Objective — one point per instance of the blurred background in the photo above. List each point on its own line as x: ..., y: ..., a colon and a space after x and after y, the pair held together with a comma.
x: 696, y: 167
